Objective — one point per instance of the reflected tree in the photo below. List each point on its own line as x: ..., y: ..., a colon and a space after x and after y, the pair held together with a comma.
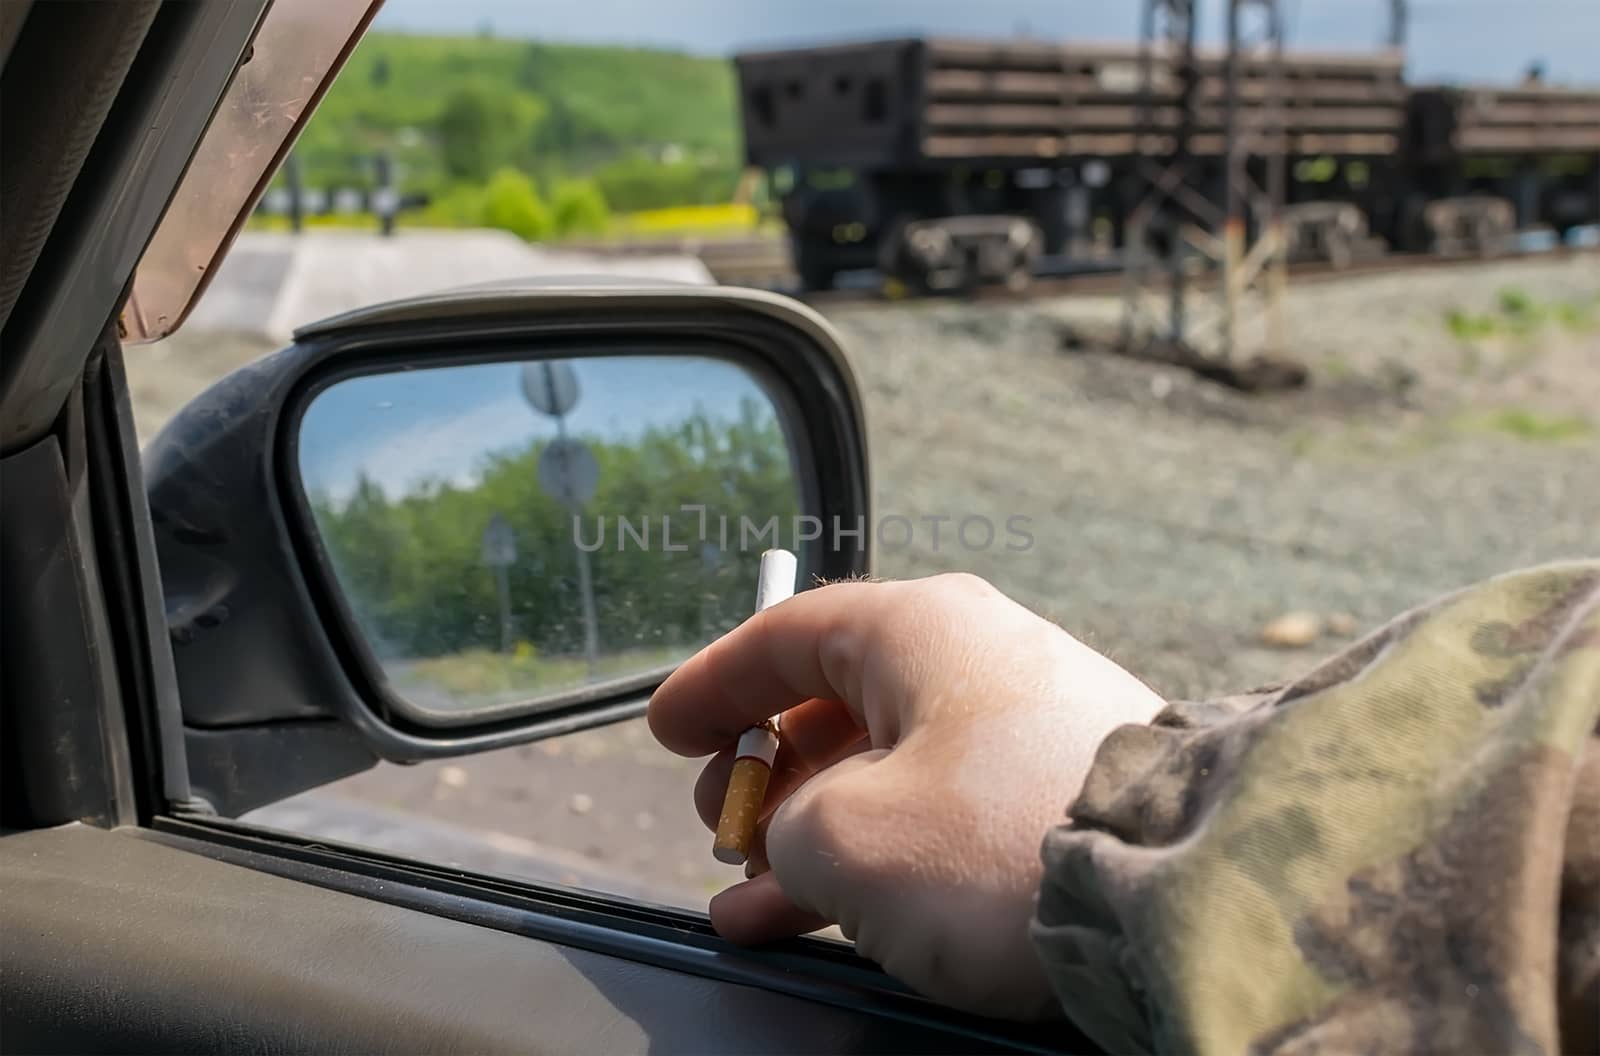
x: 412, y: 565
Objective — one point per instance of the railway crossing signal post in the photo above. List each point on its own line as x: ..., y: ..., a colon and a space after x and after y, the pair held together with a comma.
x: 1173, y: 224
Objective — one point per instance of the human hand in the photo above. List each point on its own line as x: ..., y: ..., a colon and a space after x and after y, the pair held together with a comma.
x: 932, y: 732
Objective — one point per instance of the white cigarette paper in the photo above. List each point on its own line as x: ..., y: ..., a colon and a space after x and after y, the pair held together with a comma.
x: 775, y: 584
x: 778, y: 570
x: 758, y: 746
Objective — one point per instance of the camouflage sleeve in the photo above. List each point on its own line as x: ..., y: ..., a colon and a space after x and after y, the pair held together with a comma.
x: 1400, y: 851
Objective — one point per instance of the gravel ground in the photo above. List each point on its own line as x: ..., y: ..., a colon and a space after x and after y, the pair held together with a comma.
x: 1172, y: 519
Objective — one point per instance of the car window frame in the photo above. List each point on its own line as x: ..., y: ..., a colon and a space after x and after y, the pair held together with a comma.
x: 126, y: 590
x: 632, y: 930
x: 680, y: 940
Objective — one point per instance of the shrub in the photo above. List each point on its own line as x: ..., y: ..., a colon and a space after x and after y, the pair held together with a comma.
x: 1516, y: 302
x: 1465, y: 326
x: 580, y: 209
x: 638, y: 182
x: 460, y: 205
x: 512, y: 203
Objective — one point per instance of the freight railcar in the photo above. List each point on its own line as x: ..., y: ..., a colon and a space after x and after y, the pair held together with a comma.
x: 947, y: 162
x: 1485, y: 161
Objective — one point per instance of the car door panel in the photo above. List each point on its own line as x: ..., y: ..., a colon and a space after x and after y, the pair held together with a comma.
x: 122, y: 940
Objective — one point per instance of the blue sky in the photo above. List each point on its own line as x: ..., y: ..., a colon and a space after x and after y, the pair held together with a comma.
x: 1478, y: 40
x: 404, y: 428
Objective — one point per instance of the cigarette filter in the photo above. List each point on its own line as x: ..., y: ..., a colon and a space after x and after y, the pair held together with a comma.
x: 758, y: 746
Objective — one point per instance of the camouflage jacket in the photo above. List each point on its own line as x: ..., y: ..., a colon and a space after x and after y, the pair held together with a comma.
x: 1398, y: 852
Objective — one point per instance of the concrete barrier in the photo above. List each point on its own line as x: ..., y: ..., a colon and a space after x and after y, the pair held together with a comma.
x: 270, y: 283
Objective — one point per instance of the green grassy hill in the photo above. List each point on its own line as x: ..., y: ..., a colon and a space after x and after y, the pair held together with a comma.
x: 651, y: 128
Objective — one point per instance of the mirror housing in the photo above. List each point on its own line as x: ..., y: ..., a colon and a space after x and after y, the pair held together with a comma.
x: 279, y: 692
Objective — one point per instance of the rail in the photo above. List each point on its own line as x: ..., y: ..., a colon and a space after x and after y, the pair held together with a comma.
x: 765, y: 263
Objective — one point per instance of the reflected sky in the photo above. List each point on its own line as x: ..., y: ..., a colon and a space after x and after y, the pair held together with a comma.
x: 405, y: 428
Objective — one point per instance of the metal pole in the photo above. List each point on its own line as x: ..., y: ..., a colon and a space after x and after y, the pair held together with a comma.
x: 1147, y: 71
x: 1596, y: 188
x: 385, y: 197
x: 503, y: 587
x: 291, y: 178
x: 1277, y: 187
x: 591, y: 632
x: 1181, y: 27
x: 591, y: 627
x: 1135, y: 230
x: 1233, y: 162
x: 1251, y: 208
x: 1171, y: 24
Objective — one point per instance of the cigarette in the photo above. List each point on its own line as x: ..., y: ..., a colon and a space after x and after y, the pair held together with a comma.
x: 758, y: 746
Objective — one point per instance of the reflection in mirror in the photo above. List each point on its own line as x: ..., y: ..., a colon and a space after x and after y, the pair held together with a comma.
x: 505, y: 533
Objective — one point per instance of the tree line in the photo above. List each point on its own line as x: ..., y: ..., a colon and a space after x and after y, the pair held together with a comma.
x: 542, y: 139
x: 412, y: 565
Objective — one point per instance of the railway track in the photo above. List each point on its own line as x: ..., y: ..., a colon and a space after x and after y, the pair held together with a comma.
x: 1111, y: 280
x: 764, y: 262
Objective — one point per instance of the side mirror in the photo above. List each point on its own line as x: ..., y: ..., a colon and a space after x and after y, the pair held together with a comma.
x: 481, y: 518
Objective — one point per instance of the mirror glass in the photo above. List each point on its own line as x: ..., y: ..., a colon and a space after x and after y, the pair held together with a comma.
x: 505, y: 533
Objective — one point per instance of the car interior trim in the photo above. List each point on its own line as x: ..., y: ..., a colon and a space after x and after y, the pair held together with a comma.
x: 816, y: 970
